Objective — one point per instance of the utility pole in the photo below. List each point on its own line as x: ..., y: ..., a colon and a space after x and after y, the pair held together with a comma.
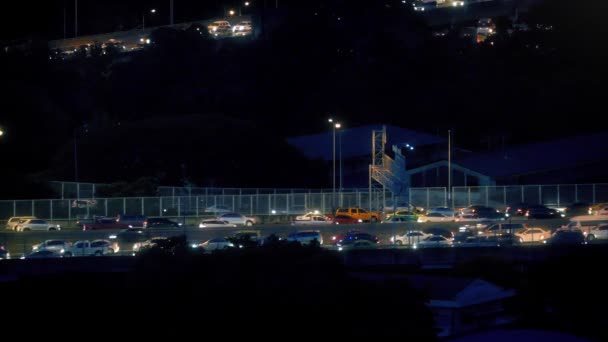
x: 64, y: 23
x: 171, y: 12
x: 449, y: 165
x: 76, y: 161
x: 75, y: 18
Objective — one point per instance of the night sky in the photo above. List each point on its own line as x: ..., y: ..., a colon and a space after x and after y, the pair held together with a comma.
x: 239, y: 100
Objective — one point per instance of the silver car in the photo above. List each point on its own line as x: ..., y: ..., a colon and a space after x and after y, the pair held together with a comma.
x: 52, y: 245
x: 238, y: 219
x: 36, y: 224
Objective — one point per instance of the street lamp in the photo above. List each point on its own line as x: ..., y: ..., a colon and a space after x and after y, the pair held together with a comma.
x: 143, y: 18
x: 335, y: 126
x: 231, y: 12
x: 246, y: 4
x: 1, y: 132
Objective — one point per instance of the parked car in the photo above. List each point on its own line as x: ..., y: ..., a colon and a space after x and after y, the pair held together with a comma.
x: 243, y: 28
x: 305, y: 237
x: 533, y: 235
x: 127, y: 238
x: 396, y: 219
x: 442, y: 210
x: 357, y: 245
x: 88, y: 248
x: 219, y: 28
x: 314, y: 219
x: 409, y: 238
x: 477, y: 241
x: 541, y: 212
x: 503, y: 228
x: 436, y: 217
x: 161, y: 222
x: 36, y: 224
x: 516, y: 209
x: 105, y: 223
x: 43, y: 254
x: 405, y: 214
x: 238, y: 219
x: 340, y: 239
x: 345, y: 219
x: 359, y: 214
x: 599, y: 232
x: 215, y: 244
x: 213, y: 223
x: 433, y: 241
x: 4, y: 253
x: 14, y: 221
x: 578, y: 208
x: 132, y: 221
x: 52, y: 245
x: 566, y: 237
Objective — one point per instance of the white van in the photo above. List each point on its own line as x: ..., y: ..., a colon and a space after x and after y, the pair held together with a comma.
x: 586, y: 223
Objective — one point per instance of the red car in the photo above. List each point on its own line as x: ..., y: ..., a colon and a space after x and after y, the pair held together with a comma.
x: 345, y: 219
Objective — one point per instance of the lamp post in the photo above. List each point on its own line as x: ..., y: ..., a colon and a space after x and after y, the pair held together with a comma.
x: 246, y: 4
x: 143, y: 19
x: 335, y: 126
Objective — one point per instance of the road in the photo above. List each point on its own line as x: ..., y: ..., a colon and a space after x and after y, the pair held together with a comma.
x: 19, y: 243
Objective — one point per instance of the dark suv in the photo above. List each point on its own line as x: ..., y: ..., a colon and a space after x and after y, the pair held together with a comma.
x: 132, y: 221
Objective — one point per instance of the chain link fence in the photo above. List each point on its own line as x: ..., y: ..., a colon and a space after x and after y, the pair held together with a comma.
x: 289, y: 203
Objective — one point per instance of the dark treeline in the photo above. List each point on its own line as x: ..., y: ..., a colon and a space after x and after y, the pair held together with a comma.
x: 192, y: 110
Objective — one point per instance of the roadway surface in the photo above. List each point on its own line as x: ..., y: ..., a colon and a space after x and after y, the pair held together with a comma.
x: 19, y: 243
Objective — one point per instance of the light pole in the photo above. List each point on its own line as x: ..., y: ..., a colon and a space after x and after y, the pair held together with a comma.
x: 143, y: 19
x: 334, y: 127
x: 246, y: 4
x: 340, y: 157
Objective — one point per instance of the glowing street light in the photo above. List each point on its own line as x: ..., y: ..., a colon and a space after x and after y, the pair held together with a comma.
x: 247, y: 3
x: 231, y: 12
x: 1, y: 132
x: 335, y: 126
x: 143, y: 18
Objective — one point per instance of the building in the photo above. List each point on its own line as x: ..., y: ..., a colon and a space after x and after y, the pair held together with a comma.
x: 460, y: 305
x: 354, y: 150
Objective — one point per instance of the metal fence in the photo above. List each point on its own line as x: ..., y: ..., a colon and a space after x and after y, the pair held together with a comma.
x: 557, y: 195
x: 298, y: 203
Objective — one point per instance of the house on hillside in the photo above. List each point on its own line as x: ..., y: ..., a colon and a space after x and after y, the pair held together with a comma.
x: 460, y: 305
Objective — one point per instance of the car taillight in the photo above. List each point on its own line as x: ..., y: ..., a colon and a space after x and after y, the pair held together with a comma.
x: 527, y: 212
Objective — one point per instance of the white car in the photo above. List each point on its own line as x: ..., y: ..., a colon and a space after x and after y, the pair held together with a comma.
x: 243, y: 28
x: 36, y: 224
x: 599, y: 232
x: 436, y: 217
x: 238, y: 219
x: 215, y: 224
x: 410, y: 238
x: 434, y: 241
x: 533, y: 235
x: 14, y: 221
x: 52, y: 245
x: 215, y: 244
x: 313, y: 219
x: 87, y: 248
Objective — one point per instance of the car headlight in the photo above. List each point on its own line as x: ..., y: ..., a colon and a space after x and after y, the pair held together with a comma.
x: 112, y: 236
x: 201, y: 225
x: 62, y: 251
